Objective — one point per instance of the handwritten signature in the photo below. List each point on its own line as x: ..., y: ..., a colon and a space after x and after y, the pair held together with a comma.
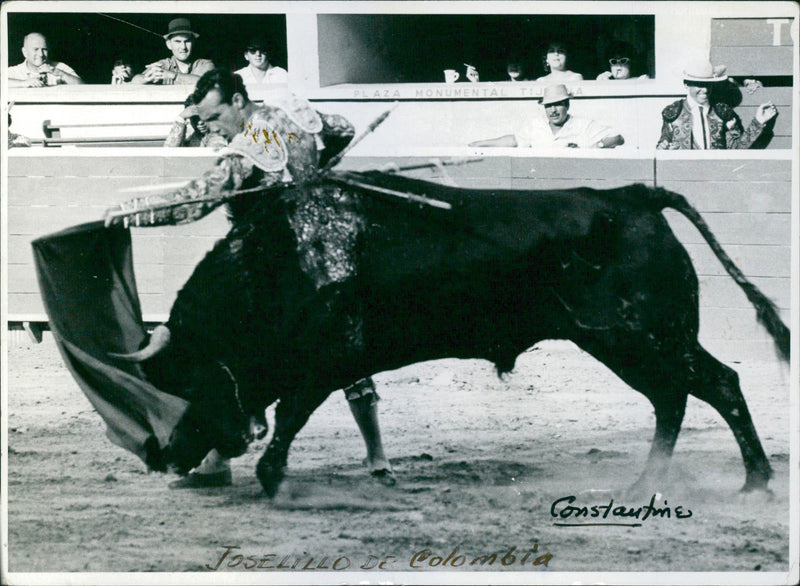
x: 563, y: 508
x: 424, y: 558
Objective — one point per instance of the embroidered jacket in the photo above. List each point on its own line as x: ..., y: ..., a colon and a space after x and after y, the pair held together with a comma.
x: 724, y: 126
x: 282, y: 143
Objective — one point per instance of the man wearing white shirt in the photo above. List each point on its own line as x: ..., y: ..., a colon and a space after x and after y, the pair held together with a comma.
x: 37, y: 70
x: 558, y: 128
x: 697, y: 122
x: 259, y: 70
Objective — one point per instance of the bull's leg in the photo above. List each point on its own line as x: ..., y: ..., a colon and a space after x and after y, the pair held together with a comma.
x: 662, y: 380
x: 718, y: 385
x: 666, y: 379
x: 669, y: 410
x: 291, y: 415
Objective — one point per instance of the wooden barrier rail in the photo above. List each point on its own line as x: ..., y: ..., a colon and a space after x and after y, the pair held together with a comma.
x: 744, y: 197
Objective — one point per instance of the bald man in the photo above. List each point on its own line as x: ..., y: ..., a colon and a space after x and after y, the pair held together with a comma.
x: 37, y: 70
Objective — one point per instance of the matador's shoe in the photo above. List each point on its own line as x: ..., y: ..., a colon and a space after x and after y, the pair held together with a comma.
x: 197, y: 480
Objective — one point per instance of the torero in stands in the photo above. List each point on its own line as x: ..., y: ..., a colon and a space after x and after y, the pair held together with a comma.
x: 700, y: 121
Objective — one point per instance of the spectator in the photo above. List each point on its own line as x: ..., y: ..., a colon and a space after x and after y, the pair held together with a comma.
x: 515, y: 70
x: 699, y: 122
x: 180, y: 68
x: 189, y: 131
x: 472, y: 74
x: 37, y: 70
x: 259, y: 70
x: 555, y: 65
x: 14, y: 139
x: 122, y: 72
x: 558, y: 128
x: 621, y: 63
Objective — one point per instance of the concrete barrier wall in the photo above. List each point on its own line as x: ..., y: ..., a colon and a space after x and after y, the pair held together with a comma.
x: 745, y: 199
x: 428, y: 115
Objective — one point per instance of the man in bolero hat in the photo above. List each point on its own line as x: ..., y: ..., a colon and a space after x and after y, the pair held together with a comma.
x: 698, y: 122
x: 180, y: 68
x: 557, y: 128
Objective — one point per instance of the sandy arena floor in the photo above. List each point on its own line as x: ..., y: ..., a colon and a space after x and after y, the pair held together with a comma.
x: 479, y: 460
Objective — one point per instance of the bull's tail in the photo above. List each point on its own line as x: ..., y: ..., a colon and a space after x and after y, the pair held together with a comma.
x: 766, y: 310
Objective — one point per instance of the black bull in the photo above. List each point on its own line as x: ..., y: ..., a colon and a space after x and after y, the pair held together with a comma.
x: 488, y: 279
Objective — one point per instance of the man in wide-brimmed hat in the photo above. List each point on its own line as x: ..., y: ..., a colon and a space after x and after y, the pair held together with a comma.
x: 180, y: 68
x: 558, y: 128
x: 698, y: 122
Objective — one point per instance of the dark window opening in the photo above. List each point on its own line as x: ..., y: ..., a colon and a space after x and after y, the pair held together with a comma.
x: 90, y: 43
x: 410, y: 48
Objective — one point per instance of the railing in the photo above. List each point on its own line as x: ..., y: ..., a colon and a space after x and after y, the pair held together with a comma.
x: 52, y: 134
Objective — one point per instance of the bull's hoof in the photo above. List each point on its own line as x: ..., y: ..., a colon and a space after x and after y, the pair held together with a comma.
x: 384, y: 476
x: 270, y: 477
x: 757, y: 487
x: 641, y: 489
x: 757, y: 481
x: 754, y: 497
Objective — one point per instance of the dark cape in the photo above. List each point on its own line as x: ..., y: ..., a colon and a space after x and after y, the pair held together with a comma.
x: 89, y: 291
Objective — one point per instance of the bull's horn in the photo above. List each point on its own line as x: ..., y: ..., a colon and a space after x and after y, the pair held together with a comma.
x: 159, y: 340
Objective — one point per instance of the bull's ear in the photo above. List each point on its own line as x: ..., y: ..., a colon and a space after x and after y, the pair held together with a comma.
x: 159, y: 340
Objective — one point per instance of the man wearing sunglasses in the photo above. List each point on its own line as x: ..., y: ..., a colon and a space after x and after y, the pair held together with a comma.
x: 698, y: 122
x: 259, y: 70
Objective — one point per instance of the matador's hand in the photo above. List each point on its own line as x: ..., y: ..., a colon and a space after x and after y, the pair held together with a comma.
x: 766, y: 112
x: 114, y: 216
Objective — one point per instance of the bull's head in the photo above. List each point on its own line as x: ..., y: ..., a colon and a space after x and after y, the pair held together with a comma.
x: 215, y: 417
x: 203, y: 428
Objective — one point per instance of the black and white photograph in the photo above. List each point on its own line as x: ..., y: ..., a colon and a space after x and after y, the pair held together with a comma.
x: 441, y: 292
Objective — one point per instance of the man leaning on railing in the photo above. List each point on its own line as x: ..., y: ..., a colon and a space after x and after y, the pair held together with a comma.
x: 38, y: 70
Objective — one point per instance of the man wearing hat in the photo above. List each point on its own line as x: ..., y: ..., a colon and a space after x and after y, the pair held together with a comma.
x: 558, y: 128
x: 698, y: 122
x: 180, y: 68
x: 260, y: 70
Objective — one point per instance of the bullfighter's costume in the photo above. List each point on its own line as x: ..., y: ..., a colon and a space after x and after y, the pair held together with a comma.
x: 692, y: 123
x: 86, y: 272
x: 724, y: 128
x: 283, y: 144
